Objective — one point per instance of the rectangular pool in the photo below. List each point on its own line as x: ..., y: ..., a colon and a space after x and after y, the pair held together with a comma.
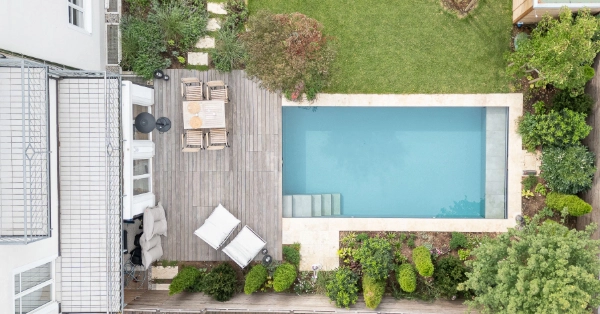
x: 389, y: 161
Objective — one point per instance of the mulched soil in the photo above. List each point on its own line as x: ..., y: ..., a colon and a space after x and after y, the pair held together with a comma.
x: 460, y: 7
x: 531, y: 206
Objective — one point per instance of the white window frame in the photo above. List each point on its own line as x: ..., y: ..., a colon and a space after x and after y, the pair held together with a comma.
x: 48, y: 307
x: 143, y: 176
x: 86, y: 13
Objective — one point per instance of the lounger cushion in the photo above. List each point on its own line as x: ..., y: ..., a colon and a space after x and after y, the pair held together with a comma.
x: 155, y: 221
x: 244, y: 247
x: 149, y: 244
x: 217, y: 227
x: 148, y: 257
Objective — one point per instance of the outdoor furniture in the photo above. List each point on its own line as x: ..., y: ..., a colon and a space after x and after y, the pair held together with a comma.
x: 246, y: 245
x: 217, y: 227
x: 130, y: 272
x: 191, y: 88
x: 191, y: 141
x: 151, y: 250
x: 145, y: 122
x: 216, y: 90
x: 208, y: 114
x: 155, y: 222
x: 216, y: 139
x: 163, y: 124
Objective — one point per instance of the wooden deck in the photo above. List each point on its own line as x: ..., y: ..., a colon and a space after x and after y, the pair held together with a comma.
x: 245, y: 178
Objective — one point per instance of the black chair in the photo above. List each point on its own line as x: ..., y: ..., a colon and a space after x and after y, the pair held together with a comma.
x: 129, y: 269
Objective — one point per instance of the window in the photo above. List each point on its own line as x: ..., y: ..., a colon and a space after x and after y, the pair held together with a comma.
x: 34, y: 286
x: 141, y: 176
x: 76, y: 13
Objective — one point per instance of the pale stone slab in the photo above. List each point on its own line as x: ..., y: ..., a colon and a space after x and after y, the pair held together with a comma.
x: 301, y: 206
x: 326, y: 204
x: 159, y: 286
x: 287, y: 206
x: 205, y: 42
x: 159, y: 272
x: 316, y: 205
x: 198, y: 58
x: 216, y: 8
x: 213, y: 25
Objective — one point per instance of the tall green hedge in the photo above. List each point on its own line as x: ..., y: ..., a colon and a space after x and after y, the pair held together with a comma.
x: 575, y: 205
x: 422, y: 260
x: 284, y: 277
x: 255, y: 279
x: 184, y: 280
x: 373, y: 291
x: 406, y: 278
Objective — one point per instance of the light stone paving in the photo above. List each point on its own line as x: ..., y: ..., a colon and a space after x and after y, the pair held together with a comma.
x: 532, y: 161
x: 159, y: 286
x: 206, y: 42
x: 319, y: 237
x: 213, y: 25
x: 159, y: 272
x: 198, y: 58
x: 216, y: 8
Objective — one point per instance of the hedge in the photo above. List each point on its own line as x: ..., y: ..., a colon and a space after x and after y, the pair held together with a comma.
x: 407, y: 278
x: 255, y: 279
x: 575, y: 205
x: 184, y: 280
x: 284, y: 277
x: 422, y: 260
x: 373, y: 291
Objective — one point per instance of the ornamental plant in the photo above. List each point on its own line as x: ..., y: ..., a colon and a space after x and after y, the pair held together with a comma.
x: 449, y: 272
x: 563, y: 100
x: 406, y: 278
x: 284, y: 277
x: 541, y: 268
x: 343, y: 289
x: 375, y: 256
x: 291, y: 255
x: 458, y: 240
x: 422, y: 260
x: 559, y: 52
x: 184, y: 280
x: 220, y: 282
x: 563, y: 128
x: 572, y: 203
x: 568, y: 170
x: 255, y: 279
x: 373, y: 291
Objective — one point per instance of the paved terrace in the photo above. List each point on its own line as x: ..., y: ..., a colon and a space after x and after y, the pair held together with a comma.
x: 245, y: 178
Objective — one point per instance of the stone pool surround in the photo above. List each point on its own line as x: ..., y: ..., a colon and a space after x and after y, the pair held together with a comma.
x: 319, y: 237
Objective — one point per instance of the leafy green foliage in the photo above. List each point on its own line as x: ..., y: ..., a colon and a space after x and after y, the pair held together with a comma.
x: 458, y: 240
x: 181, y: 23
x: 463, y: 255
x: 237, y: 14
x: 562, y: 128
x: 184, y: 280
x: 373, y: 291
x: 291, y: 255
x: 575, y: 205
x: 568, y: 170
x: 255, y: 279
x: 422, y: 260
x: 540, y: 188
x: 220, y: 282
x: 305, y: 284
x: 527, y: 193
x: 539, y: 107
x: 406, y: 278
x: 563, y: 100
x: 529, y: 182
x: 375, y: 256
x: 342, y: 288
x: 142, y: 46
x: 542, y: 268
x: 229, y: 52
x: 287, y: 52
x: 559, y: 52
x: 362, y: 237
x: 449, y: 272
x: 284, y: 277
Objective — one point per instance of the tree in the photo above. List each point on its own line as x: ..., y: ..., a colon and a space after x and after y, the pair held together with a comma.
x: 542, y: 268
x: 559, y: 52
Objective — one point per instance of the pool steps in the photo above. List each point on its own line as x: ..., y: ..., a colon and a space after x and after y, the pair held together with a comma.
x: 316, y: 205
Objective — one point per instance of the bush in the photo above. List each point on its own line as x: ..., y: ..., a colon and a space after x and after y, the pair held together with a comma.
x: 563, y: 100
x: 375, y: 256
x: 373, y: 291
x: 449, y: 272
x: 568, y: 170
x: 458, y: 240
x: 422, y: 260
x: 180, y: 23
x: 141, y: 46
x: 291, y: 255
x: 562, y: 128
x: 529, y: 182
x: 255, y: 279
x: 237, y: 14
x: 287, y: 52
x: 406, y: 278
x: 463, y: 255
x: 284, y: 277
x: 342, y: 289
x: 229, y: 52
x: 184, y: 280
x: 220, y: 282
x: 575, y: 205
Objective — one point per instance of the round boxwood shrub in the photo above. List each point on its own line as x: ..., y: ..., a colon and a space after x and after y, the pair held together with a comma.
x: 373, y: 291
x: 407, y: 278
x: 343, y: 289
x: 449, y: 272
x: 284, y: 277
x: 422, y: 260
x: 220, y: 282
x: 575, y: 205
x: 458, y: 240
x: 568, y: 170
x: 184, y: 280
x: 255, y: 279
x: 563, y: 100
x: 375, y: 256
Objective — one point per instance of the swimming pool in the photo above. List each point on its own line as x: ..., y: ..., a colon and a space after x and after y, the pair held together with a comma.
x: 389, y: 161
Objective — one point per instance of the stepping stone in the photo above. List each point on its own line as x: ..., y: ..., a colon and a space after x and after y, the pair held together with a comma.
x: 336, y: 208
x: 198, y: 58
x: 316, y: 205
x: 287, y: 206
x: 213, y: 25
x: 301, y: 205
x: 206, y: 42
x: 216, y: 8
x: 326, y: 204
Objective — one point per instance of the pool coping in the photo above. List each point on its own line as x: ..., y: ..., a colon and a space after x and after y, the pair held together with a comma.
x: 319, y: 237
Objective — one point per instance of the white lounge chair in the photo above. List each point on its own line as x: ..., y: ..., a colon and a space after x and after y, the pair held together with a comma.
x: 217, y: 227
x: 246, y: 245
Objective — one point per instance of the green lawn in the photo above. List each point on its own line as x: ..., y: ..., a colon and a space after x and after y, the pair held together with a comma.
x: 410, y: 46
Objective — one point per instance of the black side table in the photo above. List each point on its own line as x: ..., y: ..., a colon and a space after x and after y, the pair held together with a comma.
x: 163, y: 124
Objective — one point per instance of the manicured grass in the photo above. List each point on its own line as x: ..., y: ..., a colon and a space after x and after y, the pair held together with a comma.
x: 410, y: 46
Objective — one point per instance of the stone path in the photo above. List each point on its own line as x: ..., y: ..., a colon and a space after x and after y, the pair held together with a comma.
x: 207, y: 42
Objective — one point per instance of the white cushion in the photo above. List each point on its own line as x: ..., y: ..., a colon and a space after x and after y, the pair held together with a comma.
x: 223, y: 218
x: 211, y: 234
x: 217, y: 227
x: 244, y: 247
x: 149, y: 244
x: 148, y: 257
x: 155, y: 221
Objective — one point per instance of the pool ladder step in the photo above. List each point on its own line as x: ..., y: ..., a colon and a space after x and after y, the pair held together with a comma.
x: 315, y: 205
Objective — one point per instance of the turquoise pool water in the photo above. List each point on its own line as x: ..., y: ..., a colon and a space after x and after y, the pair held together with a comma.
x: 388, y: 161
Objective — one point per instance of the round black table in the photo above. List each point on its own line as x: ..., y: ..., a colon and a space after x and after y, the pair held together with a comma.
x: 163, y: 124
x: 144, y: 122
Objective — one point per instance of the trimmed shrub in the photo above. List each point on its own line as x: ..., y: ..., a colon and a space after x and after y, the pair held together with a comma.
x: 568, y: 170
x: 563, y: 100
x: 220, y: 282
x: 343, y: 289
x: 458, y: 240
x: 373, y: 291
x: 375, y: 256
x: 575, y: 205
x: 291, y: 255
x: 255, y: 279
x: 449, y: 272
x: 422, y: 259
x: 184, y: 280
x: 407, y: 278
x: 284, y: 277
x: 562, y: 128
